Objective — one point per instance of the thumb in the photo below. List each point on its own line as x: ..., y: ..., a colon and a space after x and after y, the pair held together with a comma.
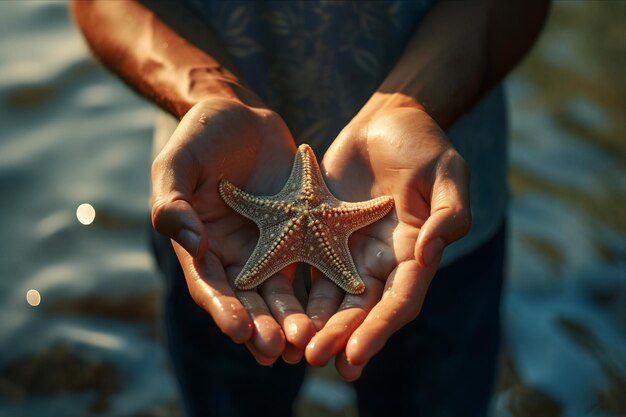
x: 450, y: 214
x: 173, y: 181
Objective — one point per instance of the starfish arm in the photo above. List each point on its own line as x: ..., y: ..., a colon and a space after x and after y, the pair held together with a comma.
x: 313, y: 187
x: 349, y: 216
x: 262, y: 210
x: 278, y: 246
x: 293, y: 186
x: 349, y: 280
x: 328, y: 251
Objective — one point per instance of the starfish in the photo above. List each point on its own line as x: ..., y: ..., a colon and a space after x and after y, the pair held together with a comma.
x: 304, y: 222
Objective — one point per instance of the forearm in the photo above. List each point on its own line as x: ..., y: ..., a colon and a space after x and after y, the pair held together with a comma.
x: 461, y: 49
x: 154, y: 58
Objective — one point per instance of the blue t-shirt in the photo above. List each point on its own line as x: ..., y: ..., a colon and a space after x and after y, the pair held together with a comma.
x: 316, y: 63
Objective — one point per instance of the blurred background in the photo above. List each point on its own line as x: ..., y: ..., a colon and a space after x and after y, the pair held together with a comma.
x: 79, y: 292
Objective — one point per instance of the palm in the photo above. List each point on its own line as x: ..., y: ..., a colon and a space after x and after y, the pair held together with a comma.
x: 261, y: 170
x: 379, y: 248
x: 390, y: 165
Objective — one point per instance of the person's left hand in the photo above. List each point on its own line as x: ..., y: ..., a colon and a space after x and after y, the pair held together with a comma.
x: 400, y: 152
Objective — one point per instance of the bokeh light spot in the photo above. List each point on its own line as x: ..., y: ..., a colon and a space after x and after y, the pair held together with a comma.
x: 85, y: 213
x: 33, y: 297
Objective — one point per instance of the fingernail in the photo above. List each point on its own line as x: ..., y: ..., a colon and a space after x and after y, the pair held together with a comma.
x: 353, y: 371
x: 189, y: 240
x: 432, y: 250
x: 292, y: 330
x: 292, y: 358
x: 292, y: 362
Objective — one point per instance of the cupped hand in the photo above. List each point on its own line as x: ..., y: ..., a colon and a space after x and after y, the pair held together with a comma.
x: 252, y: 148
x: 403, y: 153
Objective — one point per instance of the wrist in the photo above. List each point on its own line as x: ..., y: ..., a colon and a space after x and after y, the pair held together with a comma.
x: 211, y: 82
x: 392, y: 118
x: 382, y: 104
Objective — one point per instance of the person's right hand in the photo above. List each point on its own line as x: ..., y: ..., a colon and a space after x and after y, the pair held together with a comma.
x: 252, y: 148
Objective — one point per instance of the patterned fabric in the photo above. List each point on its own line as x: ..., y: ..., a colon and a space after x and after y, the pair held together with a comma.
x: 317, y: 62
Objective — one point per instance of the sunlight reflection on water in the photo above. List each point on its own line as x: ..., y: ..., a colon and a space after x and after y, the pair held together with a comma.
x: 33, y: 297
x: 85, y: 213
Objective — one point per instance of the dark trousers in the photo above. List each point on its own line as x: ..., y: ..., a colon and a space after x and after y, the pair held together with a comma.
x: 441, y: 364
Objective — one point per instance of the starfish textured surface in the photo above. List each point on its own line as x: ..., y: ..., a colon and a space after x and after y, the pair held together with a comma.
x: 304, y: 222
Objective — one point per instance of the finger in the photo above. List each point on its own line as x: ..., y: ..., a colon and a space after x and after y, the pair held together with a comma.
x: 400, y: 303
x: 450, y: 215
x: 286, y: 309
x: 268, y: 338
x: 347, y: 370
x: 332, y: 339
x: 324, y: 299
x: 173, y: 181
x: 259, y: 356
x: 209, y: 288
x: 292, y: 354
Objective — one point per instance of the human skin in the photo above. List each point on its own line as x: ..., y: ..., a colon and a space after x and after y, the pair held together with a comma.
x: 395, y: 145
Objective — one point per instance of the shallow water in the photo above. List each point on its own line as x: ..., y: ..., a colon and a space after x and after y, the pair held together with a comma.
x: 565, y: 302
x: 73, y: 134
